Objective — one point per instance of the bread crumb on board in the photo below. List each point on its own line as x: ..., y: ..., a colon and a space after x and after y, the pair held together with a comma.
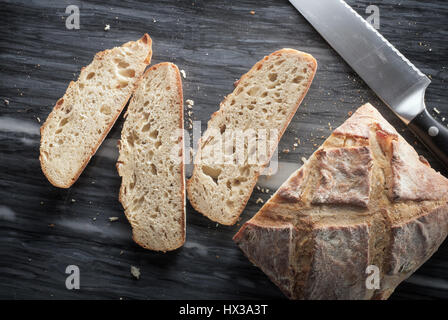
x: 259, y: 200
x: 184, y: 75
x: 107, y: 27
x: 252, y: 12
x: 112, y: 219
x: 135, y: 272
x: 189, y: 102
x: 6, y: 101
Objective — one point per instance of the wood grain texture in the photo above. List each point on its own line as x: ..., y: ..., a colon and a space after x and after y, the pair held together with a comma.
x: 42, y: 230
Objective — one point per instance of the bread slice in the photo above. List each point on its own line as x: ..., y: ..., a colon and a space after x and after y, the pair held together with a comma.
x: 151, y: 160
x: 364, y: 198
x: 85, y: 114
x: 254, y: 116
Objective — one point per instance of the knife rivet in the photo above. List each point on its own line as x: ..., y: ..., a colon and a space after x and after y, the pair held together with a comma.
x: 433, y: 131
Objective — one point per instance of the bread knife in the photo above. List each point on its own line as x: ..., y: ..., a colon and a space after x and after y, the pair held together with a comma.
x: 396, y: 81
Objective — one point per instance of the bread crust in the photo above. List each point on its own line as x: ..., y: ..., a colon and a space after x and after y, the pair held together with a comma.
x: 395, y: 234
x: 271, y: 247
x: 413, y: 242
x: 258, y: 65
x: 147, y: 40
x: 182, y: 166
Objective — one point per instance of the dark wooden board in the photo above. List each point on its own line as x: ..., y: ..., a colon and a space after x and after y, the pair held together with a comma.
x: 215, y: 42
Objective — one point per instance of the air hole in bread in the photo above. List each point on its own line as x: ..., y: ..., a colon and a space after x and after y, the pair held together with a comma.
x: 122, y: 64
x: 253, y: 91
x: 229, y: 203
x: 153, y: 169
x: 58, y: 131
x: 146, y: 127
x: 251, y: 107
x: 298, y: 79
x: 158, y: 144
x: 45, y: 154
x: 222, y: 128
x: 244, y: 171
x: 138, y: 202
x: 90, y: 75
x: 63, y: 122
x: 272, y: 77
x: 122, y: 84
x: 105, y: 110
x: 153, y: 134
x: 131, y: 138
x: 279, y: 62
x: 128, y: 73
x: 212, y: 173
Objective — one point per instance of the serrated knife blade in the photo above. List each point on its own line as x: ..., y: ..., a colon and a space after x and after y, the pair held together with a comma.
x: 398, y: 83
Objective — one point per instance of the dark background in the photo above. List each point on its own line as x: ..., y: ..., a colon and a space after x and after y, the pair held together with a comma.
x: 44, y: 229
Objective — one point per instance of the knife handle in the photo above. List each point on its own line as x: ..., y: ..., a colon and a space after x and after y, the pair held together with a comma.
x: 432, y: 134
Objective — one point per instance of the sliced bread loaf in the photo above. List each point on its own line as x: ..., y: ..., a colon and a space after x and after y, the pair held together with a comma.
x: 151, y: 160
x: 254, y: 117
x: 85, y: 114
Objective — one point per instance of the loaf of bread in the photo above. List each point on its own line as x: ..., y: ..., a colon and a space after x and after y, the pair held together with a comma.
x: 243, y: 134
x: 151, y: 160
x: 364, y: 198
x: 85, y: 114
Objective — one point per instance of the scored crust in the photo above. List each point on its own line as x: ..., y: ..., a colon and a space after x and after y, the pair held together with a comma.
x: 396, y: 229
x: 68, y: 181
x: 344, y: 176
x: 199, y: 183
